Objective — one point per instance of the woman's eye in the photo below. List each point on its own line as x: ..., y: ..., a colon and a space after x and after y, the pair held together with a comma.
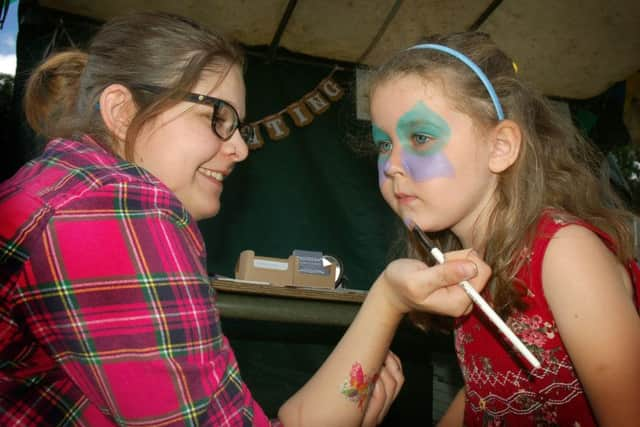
x: 384, y: 147
x: 422, y: 138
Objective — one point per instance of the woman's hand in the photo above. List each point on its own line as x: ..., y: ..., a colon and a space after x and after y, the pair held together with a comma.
x: 410, y: 284
x: 385, y: 391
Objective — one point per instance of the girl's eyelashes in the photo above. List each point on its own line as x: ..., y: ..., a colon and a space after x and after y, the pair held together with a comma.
x: 421, y: 140
x: 384, y: 147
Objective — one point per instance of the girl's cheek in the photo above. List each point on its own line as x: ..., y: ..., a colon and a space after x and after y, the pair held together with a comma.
x: 424, y: 168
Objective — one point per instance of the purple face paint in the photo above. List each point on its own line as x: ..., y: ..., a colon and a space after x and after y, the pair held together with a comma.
x: 422, y: 134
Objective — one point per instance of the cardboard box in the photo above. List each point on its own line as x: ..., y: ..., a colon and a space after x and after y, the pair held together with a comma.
x: 291, y: 271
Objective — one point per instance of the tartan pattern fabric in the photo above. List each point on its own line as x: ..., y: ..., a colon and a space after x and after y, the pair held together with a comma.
x: 129, y: 335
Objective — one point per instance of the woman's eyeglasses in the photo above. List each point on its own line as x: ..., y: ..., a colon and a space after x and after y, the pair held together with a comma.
x: 224, y: 120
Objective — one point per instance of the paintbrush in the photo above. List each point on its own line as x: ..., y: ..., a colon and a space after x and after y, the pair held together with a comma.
x: 480, y: 302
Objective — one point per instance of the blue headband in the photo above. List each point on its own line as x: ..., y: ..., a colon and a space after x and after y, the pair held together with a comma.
x: 481, y: 75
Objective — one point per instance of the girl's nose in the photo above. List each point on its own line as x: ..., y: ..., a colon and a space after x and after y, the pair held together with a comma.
x: 395, y: 164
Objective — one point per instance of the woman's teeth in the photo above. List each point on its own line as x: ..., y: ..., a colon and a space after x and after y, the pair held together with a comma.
x: 216, y: 175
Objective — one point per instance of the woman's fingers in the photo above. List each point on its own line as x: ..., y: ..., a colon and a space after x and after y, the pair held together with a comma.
x: 409, y: 284
x: 439, y: 284
x: 436, y: 289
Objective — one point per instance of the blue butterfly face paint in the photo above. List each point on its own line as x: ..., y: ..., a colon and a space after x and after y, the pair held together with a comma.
x: 422, y: 134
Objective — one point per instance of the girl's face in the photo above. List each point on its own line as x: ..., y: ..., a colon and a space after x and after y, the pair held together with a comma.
x: 432, y: 163
x: 180, y: 148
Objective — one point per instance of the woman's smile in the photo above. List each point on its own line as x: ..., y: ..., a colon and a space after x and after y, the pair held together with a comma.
x: 214, y: 176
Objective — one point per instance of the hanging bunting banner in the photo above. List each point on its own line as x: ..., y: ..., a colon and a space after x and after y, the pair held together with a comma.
x: 316, y: 102
x: 257, y: 141
x: 331, y: 89
x: 276, y: 127
x: 301, y: 112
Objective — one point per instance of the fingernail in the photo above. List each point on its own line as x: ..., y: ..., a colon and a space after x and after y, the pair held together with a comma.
x: 469, y: 269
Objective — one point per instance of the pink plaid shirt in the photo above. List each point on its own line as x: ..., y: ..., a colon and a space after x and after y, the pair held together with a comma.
x: 106, y: 312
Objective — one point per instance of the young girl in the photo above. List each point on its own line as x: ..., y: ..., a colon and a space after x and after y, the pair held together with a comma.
x: 479, y: 160
x: 106, y: 311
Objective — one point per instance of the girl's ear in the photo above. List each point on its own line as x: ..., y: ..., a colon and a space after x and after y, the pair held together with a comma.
x: 505, y: 146
x: 117, y: 110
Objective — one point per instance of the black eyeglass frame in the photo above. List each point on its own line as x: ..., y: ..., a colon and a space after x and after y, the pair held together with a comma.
x: 245, y: 129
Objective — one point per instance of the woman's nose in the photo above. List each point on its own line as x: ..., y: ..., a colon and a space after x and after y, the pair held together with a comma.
x: 236, y: 147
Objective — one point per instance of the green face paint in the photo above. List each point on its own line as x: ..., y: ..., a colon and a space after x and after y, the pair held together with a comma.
x: 422, y: 134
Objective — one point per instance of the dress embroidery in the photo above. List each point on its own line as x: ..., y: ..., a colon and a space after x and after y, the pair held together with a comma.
x: 501, y: 388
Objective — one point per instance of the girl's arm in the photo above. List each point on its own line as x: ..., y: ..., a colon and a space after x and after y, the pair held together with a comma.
x: 455, y: 412
x: 337, y: 394
x: 591, y: 297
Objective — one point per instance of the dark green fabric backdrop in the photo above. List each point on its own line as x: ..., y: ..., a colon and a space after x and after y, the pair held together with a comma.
x: 309, y: 190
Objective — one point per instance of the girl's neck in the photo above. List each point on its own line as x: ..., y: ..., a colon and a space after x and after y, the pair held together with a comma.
x: 472, y: 234
x: 473, y: 243
x: 472, y: 231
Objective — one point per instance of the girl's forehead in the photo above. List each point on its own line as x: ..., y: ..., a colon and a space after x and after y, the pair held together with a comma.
x: 408, y: 87
x: 394, y: 97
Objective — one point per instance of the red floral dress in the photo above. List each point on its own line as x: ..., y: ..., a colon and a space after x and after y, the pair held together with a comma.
x: 500, y: 387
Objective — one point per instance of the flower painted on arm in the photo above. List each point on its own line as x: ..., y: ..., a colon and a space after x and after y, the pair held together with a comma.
x: 358, y: 386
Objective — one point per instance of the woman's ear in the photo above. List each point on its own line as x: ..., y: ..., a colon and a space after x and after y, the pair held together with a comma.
x: 505, y: 146
x: 117, y: 110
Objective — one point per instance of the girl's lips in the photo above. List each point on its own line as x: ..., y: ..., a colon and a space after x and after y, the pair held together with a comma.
x: 404, y: 199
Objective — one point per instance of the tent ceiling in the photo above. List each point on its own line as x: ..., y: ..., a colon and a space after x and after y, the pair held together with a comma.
x: 568, y: 48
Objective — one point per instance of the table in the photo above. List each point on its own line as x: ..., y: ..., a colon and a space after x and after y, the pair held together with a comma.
x: 261, y: 301
x: 291, y: 318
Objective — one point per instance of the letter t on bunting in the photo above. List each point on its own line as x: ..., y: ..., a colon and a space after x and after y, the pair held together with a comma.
x: 276, y: 127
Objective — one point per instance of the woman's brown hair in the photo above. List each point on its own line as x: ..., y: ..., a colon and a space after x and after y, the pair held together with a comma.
x: 62, y: 94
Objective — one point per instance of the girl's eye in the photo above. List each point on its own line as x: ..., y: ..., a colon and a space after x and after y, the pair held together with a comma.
x: 422, y: 138
x: 384, y: 147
